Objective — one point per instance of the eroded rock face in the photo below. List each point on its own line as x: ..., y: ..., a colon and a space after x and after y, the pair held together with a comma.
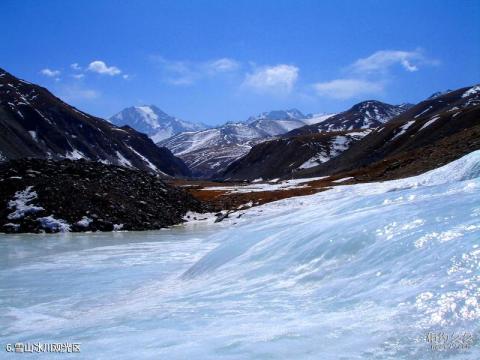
x: 51, y: 196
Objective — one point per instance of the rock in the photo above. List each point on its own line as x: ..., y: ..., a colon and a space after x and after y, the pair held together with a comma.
x: 88, y: 196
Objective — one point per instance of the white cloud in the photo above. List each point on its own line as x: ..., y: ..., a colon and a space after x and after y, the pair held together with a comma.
x: 278, y: 78
x: 50, y: 73
x: 100, y: 67
x: 78, y: 76
x: 382, y: 60
x: 178, y: 72
x: 223, y: 65
x: 369, y: 75
x: 348, y: 88
x: 75, y: 67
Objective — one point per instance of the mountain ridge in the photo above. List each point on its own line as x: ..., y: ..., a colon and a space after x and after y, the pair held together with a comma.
x: 35, y: 123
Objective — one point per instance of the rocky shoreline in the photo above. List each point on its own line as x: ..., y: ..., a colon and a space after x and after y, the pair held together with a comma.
x: 53, y: 196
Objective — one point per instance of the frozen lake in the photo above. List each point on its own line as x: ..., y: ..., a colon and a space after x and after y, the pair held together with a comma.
x: 356, y: 272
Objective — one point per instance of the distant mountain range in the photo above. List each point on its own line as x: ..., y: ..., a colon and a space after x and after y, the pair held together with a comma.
x: 398, y: 141
x: 210, y: 151
x: 152, y: 121
x: 35, y: 123
x: 276, y: 144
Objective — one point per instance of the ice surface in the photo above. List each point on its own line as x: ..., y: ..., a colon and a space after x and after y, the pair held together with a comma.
x: 355, y: 272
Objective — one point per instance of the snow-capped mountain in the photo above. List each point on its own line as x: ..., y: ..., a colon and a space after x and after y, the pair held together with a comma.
x: 35, y: 123
x: 152, y: 121
x: 292, y: 114
x: 364, y: 115
x: 433, y: 132
x: 210, y: 151
x: 207, y: 152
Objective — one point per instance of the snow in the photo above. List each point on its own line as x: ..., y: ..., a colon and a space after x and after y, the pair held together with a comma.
x: 429, y: 122
x: 149, y: 164
x: 75, y: 155
x: 117, y: 227
x: 54, y: 225
x: 343, y: 179
x: 317, y: 118
x: 122, y: 160
x: 403, y: 129
x: 338, y: 145
x: 20, y: 204
x: 268, y: 186
x: 149, y: 116
x: 33, y: 134
x: 423, y: 112
x: 84, y: 222
x: 314, y: 161
x: 162, y: 135
x: 472, y: 91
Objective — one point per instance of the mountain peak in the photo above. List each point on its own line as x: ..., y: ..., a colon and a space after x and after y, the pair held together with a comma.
x: 291, y: 114
x: 154, y: 122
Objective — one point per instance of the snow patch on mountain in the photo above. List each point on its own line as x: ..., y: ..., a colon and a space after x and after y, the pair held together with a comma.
x: 152, y: 121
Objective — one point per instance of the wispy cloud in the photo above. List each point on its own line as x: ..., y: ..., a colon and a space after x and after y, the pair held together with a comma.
x: 78, y: 76
x: 275, y: 79
x: 101, y: 67
x: 50, y: 73
x: 75, y: 67
x: 76, y: 93
x: 222, y: 65
x: 348, y: 88
x: 369, y: 75
x: 383, y: 60
x: 183, y: 72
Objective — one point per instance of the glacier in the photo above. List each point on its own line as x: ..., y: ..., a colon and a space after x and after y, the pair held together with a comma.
x: 355, y: 272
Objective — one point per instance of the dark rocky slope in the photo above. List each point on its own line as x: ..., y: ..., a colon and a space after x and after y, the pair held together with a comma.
x: 364, y: 115
x: 45, y: 195
x: 431, y: 133
x: 35, y: 123
x: 283, y: 157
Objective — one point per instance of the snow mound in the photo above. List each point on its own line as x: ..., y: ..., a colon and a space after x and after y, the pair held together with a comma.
x: 21, y: 205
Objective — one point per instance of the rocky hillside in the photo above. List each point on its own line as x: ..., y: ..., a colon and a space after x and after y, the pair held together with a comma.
x: 364, y: 115
x: 35, y: 123
x: 433, y: 132
x: 51, y: 196
x: 283, y: 157
x: 430, y: 134
x: 152, y: 121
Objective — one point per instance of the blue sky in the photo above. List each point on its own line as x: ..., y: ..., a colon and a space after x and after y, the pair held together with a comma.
x: 217, y: 61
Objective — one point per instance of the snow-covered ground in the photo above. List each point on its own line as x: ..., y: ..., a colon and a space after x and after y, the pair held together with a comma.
x: 273, y: 185
x: 356, y: 272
